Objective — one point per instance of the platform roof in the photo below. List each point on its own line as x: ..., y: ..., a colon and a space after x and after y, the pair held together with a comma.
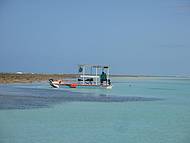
x: 94, y: 66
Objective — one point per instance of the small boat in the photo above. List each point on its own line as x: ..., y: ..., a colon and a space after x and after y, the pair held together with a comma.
x: 89, y: 76
x: 53, y: 83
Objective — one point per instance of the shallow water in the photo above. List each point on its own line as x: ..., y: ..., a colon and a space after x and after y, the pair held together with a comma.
x: 135, y: 110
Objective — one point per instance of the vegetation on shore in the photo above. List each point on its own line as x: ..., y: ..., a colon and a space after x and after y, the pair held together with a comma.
x: 28, y: 77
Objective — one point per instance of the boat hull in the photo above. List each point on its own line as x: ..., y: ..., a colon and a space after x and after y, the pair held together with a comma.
x: 75, y: 85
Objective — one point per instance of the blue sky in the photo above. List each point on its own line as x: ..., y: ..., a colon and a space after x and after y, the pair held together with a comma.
x: 150, y: 37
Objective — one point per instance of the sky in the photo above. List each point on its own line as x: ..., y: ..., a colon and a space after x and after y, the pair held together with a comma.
x: 146, y: 37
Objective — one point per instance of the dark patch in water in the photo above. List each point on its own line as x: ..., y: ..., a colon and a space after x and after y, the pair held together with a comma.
x: 26, y: 98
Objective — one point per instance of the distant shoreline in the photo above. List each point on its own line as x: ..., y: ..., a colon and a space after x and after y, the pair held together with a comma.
x: 39, y: 77
x: 29, y: 77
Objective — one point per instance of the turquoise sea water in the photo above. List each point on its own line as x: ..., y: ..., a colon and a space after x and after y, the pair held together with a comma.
x: 145, y: 110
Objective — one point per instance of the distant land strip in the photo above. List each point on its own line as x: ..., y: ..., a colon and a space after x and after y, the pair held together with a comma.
x: 39, y: 77
x: 31, y: 77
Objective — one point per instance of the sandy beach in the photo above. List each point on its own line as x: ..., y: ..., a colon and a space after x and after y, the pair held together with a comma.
x: 28, y: 77
x: 38, y: 77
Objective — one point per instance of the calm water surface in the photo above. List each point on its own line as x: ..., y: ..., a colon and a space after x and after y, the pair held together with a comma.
x: 146, y: 110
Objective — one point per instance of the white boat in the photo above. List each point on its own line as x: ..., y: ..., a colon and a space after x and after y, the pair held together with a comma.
x: 89, y: 76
